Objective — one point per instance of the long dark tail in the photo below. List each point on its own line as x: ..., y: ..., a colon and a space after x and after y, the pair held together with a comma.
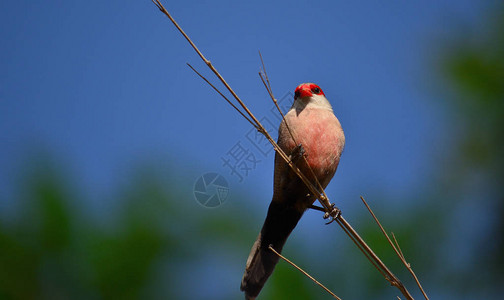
x: 280, y: 221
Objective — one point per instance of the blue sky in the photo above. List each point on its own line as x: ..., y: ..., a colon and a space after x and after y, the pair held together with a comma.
x: 103, y: 85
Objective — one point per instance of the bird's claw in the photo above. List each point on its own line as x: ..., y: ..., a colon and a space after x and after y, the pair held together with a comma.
x: 297, y: 152
x: 334, y: 214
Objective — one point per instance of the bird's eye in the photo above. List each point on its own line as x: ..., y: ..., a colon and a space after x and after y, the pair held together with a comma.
x: 296, y: 94
x: 316, y: 90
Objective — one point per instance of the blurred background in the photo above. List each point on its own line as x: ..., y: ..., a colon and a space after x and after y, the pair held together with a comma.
x: 105, y: 135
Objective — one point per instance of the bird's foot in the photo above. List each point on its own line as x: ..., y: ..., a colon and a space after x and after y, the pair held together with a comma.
x: 333, y: 214
x: 297, y: 153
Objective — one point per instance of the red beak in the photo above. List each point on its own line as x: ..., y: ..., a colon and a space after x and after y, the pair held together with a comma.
x: 304, y: 92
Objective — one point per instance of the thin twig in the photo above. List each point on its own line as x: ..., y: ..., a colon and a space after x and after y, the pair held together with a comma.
x: 266, y: 74
x: 265, y: 80
x: 397, y: 245
x: 209, y: 64
x: 303, y: 271
x: 223, y: 96
x: 396, y: 249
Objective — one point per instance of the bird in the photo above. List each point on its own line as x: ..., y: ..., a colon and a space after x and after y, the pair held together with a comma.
x: 312, y: 136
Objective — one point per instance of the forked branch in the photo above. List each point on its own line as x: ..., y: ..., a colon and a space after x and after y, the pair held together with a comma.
x: 397, y: 248
x: 330, y: 210
x: 256, y: 123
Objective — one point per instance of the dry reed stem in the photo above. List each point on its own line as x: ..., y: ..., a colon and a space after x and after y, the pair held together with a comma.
x: 304, y: 272
x: 330, y: 209
x: 322, y: 198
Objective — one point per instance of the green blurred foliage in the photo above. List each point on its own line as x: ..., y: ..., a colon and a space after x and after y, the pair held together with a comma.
x: 475, y: 70
x: 52, y: 251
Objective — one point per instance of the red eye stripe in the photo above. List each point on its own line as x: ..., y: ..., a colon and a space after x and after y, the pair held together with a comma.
x: 316, y: 89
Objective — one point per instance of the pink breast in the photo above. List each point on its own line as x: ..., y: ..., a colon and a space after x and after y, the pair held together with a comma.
x: 320, y: 133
